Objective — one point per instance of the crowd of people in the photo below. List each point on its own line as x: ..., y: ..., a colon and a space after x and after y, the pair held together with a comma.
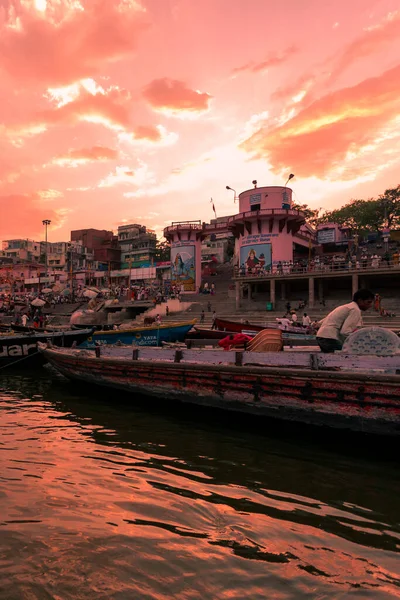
x: 364, y: 259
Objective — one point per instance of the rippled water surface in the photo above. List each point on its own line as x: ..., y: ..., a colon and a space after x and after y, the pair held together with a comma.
x: 101, y: 499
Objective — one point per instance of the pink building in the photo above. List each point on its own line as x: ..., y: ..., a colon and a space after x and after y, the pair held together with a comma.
x: 185, y: 239
x: 266, y: 227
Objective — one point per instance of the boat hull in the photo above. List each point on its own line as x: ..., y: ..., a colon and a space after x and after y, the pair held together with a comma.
x: 353, y: 401
x: 145, y: 336
x: 235, y: 327
x: 22, y: 350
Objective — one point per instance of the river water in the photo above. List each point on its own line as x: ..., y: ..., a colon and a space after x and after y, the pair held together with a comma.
x: 101, y: 499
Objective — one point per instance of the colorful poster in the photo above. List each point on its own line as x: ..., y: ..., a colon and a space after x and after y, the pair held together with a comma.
x: 183, y: 267
x: 256, y: 257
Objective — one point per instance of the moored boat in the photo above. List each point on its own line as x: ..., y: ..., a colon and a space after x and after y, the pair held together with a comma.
x: 153, y: 335
x: 236, y: 327
x: 343, y: 391
x: 218, y: 334
x: 22, y: 349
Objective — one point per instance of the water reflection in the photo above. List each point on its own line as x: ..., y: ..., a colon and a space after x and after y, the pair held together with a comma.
x: 130, y: 502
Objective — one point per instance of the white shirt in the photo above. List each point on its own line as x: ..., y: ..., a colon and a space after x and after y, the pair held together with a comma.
x: 341, y: 322
x: 306, y: 321
x: 294, y: 317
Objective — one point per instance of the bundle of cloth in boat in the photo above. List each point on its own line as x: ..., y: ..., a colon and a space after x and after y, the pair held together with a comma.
x: 372, y: 340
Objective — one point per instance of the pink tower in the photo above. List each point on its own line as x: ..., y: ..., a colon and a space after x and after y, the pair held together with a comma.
x: 185, y: 240
x: 265, y: 226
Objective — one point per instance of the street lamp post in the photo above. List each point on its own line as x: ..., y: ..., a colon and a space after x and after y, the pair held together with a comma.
x: 234, y: 193
x: 46, y: 223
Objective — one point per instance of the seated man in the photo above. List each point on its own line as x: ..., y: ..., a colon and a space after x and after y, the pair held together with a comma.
x: 342, y: 321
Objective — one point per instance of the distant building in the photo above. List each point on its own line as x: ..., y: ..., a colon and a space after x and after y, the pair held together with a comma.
x: 21, y: 250
x: 137, y: 244
x: 104, y: 245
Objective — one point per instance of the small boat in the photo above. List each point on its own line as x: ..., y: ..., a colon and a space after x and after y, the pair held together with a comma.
x: 153, y: 335
x: 235, y: 327
x: 219, y: 334
x: 358, y: 393
x: 31, y: 329
x: 22, y: 349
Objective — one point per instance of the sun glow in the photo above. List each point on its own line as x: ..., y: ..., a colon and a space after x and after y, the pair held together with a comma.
x: 41, y: 5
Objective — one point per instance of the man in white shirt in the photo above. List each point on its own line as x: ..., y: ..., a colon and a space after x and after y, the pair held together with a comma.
x: 306, y: 320
x: 342, y: 321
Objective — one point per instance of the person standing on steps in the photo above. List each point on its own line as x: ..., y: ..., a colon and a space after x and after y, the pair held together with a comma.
x: 209, y: 306
x: 202, y: 316
x: 342, y: 321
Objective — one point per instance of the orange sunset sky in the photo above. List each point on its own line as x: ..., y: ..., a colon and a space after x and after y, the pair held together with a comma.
x: 118, y: 111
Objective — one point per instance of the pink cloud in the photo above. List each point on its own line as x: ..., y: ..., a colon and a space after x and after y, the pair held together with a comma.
x: 113, y: 107
x: 175, y: 95
x: 370, y: 42
x: 147, y: 132
x: 86, y: 155
x: 67, y: 43
x: 273, y: 60
x: 27, y: 214
x: 318, y: 138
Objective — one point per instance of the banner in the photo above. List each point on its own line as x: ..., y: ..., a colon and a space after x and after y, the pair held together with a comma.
x: 183, y: 266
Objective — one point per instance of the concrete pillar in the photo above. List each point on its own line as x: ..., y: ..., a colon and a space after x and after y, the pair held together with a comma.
x: 272, y: 292
x: 283, y: 290
x: 311, y: 292
x: 249, y: 293
x: 320, y: 290
x: 237, y: 294
x: 354, y: 283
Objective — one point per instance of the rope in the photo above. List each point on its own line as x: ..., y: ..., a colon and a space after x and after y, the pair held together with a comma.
x: 19, y: 360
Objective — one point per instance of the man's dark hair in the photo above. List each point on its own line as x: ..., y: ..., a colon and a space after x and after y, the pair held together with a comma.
x: 363, y: 295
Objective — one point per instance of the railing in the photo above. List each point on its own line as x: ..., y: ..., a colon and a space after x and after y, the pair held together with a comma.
x: 266, y: 212
x: 316, y: 269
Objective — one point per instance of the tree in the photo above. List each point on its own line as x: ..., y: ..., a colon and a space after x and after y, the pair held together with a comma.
x: 373, y: 214
x: 163, y: 251
x: 311, y: 214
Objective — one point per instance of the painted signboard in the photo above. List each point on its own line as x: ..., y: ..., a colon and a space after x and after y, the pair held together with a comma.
x: 183, y: 266
x: 326, y: 236
x: 256, y: 256
x: 255, y: 199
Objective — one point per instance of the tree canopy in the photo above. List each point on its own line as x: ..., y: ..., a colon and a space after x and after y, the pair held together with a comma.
x: 163, y: 251
x: 373, y: 214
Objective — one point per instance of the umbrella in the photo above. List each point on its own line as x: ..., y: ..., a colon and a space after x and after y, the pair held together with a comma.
x: 90, y: 293
x: 47, y: 290
x: 38, y: 302
x: 92, y: 289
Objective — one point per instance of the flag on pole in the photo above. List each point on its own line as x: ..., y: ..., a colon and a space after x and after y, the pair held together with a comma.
x: 213, y: 207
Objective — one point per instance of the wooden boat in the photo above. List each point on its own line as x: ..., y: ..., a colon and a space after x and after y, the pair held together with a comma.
x: 341, y: 391
x: 218, y: 334
x: 235, y: 327
x: 154, y: 335
x: 30, y: 329
x: 22, y: 349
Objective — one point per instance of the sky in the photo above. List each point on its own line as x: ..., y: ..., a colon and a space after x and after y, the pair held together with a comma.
x: 121, y: 111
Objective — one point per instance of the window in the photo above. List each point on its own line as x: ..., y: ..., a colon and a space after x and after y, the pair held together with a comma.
x: 255, y: 207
